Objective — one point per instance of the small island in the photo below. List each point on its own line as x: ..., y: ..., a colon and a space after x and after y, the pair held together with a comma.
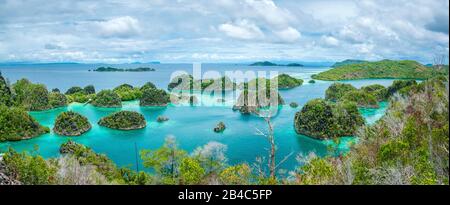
x: 286, y: 81
x: 268, y: 63
x: 112, y: 69
x: 249, y: 102
x: 283, y: 81
x: 17, y: 125
x: 322, y: 119
x: 220, y: 127
x: 127, y: 92
x: 108, y: 99
x: 71, y: 124
x: 367, y: 97
x: 154, y: 97
x: 124, y: 120
x: 404, y: 69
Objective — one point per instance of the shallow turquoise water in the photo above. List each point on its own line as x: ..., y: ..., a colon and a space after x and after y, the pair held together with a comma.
x: 192, y: 126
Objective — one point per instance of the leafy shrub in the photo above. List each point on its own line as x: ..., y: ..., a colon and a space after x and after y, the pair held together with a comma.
x: 28, y: 169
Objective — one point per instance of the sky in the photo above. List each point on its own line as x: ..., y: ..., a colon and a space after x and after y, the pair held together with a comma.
x: 97, y: 31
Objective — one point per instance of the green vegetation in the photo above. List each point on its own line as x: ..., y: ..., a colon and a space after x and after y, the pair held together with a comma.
x: 337, y: 90
x: 361, y: 98
x: 128, y: 92
x: 404, y: 69
x: 187, y: 83
x: 29, y: 169
x: 311, y: 81
x: 409, y: 145
x: 400, y: 86
x: 154, y: 97
x: 5, y: 92
x: 220, y: 127
x: 376, y: 90
x: 90, y: 89
x: 111, y: 69
x: 181, y: 82
x: 285, y: 81
x: 80, y: 95
x: 323, y: 120
x: 107, y: 98
x: 124, y: 120
x: 33, y: 97
x: 71, y: 124
x: 293, y: 105
x: 147, y: 85
x: 252, y: 101
x: 17, y: 124
x: 263, y: 63
x: 348, y: 62
x: 74, y: 90
x: 57, y: 99
x: 162, y: 119
x: 366, y: 97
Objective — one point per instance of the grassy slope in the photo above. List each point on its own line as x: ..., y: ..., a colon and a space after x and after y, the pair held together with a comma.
x: 405, y: 69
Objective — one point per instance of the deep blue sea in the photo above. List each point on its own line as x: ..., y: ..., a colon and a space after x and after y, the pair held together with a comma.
x: 192, y: 126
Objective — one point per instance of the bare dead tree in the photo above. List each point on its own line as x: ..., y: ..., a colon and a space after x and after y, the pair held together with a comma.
x: 439, y: 61
x: 272, y: 165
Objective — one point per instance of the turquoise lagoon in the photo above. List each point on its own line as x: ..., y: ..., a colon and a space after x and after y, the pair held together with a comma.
x: 192, y: 126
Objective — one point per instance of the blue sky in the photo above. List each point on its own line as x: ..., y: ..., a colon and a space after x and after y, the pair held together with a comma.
x: 222, y: 30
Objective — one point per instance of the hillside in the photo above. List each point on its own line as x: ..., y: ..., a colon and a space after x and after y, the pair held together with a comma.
x: 405, y: 69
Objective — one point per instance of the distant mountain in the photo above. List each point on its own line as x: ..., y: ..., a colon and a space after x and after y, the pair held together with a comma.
x: 111, y: 69
x: 348, y: 62
x: 268, y: 63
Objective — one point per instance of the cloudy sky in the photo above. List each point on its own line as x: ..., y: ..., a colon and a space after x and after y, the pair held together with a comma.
x: 222, y: 30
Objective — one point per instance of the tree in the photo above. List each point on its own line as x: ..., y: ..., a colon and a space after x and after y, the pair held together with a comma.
x: 90, y: 89
x: 190, y: 171
x: 211, y: 156
x: 165, y: 160
x: 236, y: 175
x: 5, y: 92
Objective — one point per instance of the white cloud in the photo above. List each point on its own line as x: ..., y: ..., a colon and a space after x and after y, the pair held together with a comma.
x: 242, y: 30
x: 122, y: 27
x: 288, y: 35
x: 194, y: 30
x: 330, y: 41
